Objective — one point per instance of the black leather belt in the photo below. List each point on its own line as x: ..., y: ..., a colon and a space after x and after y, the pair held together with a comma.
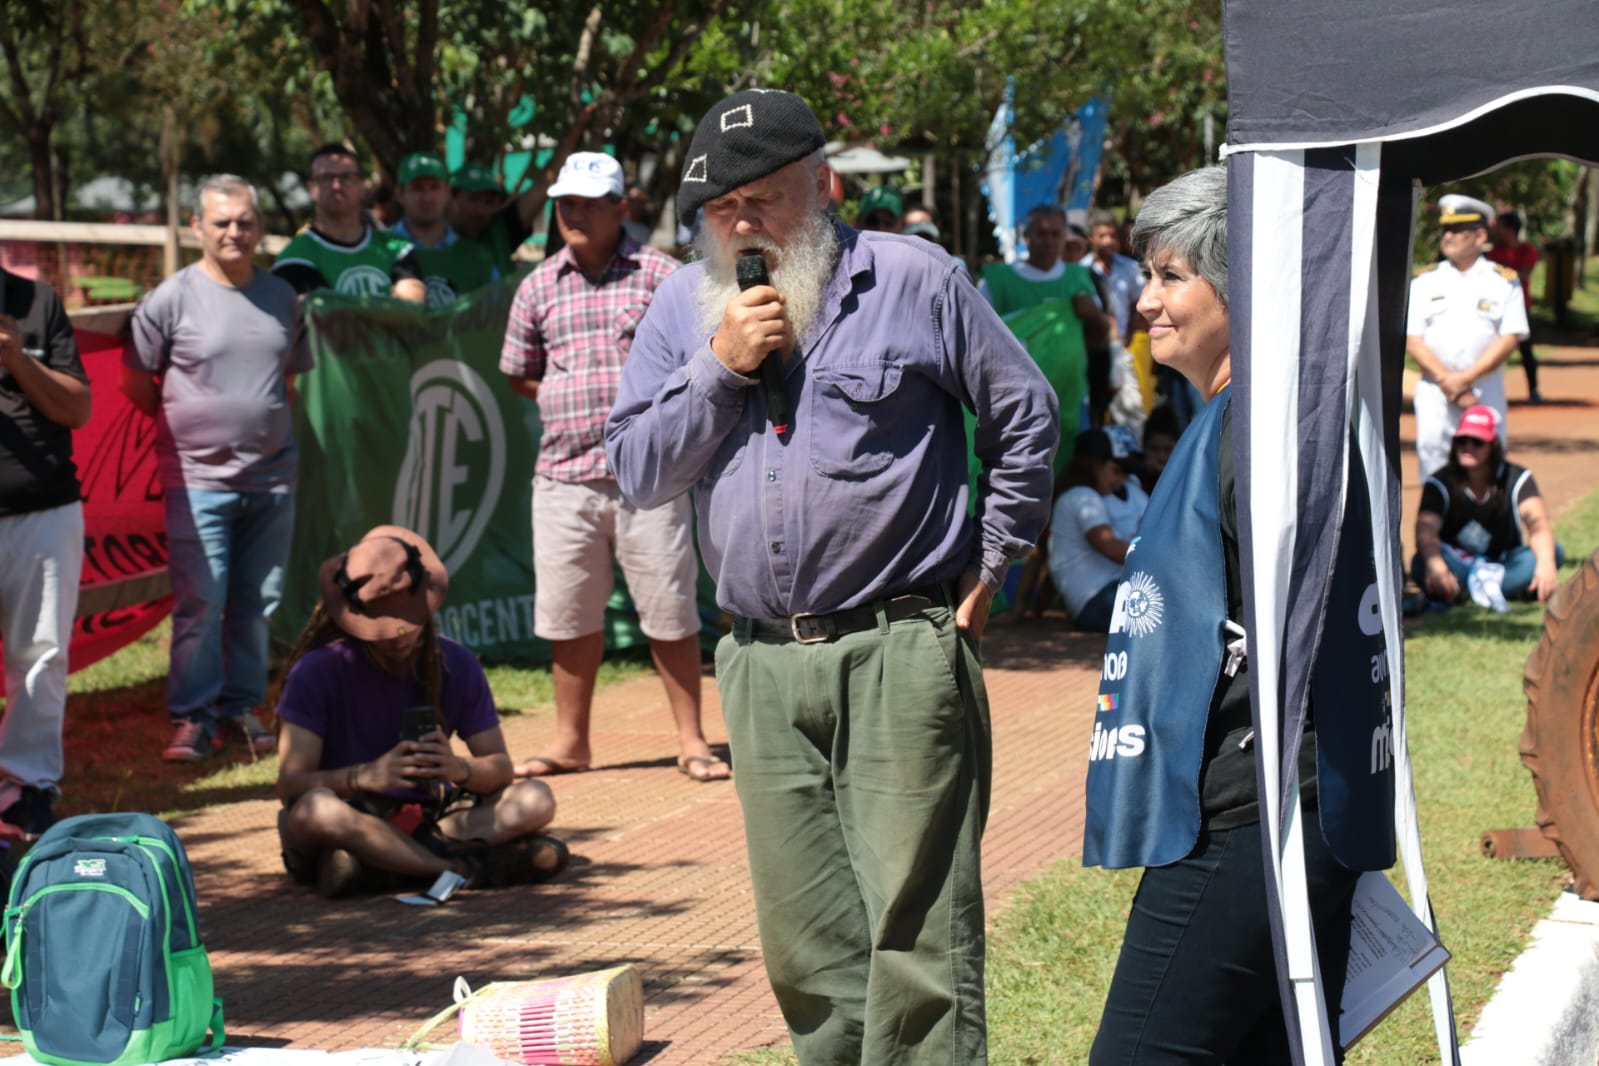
x: 817, y: 628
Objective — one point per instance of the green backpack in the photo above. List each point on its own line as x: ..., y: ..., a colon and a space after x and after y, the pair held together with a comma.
x: 103, y: 953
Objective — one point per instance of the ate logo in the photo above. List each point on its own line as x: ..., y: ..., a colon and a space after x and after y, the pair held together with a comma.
x: 454, y: 468
x: 364, y: 280
x: 440, y: 292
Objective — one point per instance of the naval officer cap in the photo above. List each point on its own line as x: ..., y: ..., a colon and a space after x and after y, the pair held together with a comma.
x: 1458, y: 210
x: 742, y: 139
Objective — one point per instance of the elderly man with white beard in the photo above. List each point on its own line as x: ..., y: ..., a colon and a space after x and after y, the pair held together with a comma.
x: 838, y: 531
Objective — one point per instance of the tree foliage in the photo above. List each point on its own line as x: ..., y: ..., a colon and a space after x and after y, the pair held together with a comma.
x: 138, y: 87
x: 400, y: 69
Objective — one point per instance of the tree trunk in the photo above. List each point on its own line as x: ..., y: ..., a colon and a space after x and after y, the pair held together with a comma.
x: 1590, y: 223
x: 46, y: 207
x: 171, y: 157
x: 957, y: 212
x: 44, y: 176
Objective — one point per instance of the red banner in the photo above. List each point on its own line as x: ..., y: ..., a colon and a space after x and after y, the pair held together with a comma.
x: 124, y: 591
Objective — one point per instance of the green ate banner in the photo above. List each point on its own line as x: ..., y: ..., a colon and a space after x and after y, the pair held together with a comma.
x: 407, y: 420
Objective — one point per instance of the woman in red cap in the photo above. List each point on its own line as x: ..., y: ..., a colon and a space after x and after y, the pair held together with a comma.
x: 358, y: 796
x: 1482, y: 526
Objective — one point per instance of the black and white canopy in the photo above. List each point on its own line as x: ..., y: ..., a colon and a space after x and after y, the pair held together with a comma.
x: 1338, y: 114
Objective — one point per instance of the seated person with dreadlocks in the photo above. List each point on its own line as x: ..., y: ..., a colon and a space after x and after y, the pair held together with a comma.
x: 364, y: 807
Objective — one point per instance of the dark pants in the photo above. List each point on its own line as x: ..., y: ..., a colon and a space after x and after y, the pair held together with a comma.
x: 1196, y: 981
x: 1098, y: 385
x: 1095, y: 615
x: 1529, y: 364
x: 863, y: 772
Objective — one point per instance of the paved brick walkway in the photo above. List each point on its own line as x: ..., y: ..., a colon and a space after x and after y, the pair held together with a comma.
x: 660, y: 882
x: 660, y: 879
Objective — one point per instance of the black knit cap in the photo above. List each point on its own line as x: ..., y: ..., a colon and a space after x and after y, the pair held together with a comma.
x: 745, y: 137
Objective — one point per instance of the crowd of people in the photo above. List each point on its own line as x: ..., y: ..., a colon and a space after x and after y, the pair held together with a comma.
x: 769, y: 396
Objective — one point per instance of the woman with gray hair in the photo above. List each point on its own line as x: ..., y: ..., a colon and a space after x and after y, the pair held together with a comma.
x: 1172, y: 775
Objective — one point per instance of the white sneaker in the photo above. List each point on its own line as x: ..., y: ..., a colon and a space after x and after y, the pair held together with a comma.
x: 1486, y: 583
x: 1493, y: 586
x: 189, y: 743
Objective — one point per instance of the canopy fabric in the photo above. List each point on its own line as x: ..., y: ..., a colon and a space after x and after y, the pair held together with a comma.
x: 1302, y: 74
x: 1337, y: 117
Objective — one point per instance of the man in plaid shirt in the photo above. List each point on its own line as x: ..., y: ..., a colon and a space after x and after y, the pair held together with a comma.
x: 570, y: 329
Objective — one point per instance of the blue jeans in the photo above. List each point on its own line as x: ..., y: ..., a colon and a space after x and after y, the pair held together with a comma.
x: 1519, y: 562
x: 1095, y: 615
x: 226, y: 553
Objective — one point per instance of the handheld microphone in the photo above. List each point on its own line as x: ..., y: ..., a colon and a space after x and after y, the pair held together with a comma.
x: 751, y: 271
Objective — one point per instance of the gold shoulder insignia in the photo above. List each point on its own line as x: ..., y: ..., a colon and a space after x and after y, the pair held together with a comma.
x: 1506, y: 272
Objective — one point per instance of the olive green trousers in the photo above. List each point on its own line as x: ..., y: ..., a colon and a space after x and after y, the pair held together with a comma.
x: 863, y: 768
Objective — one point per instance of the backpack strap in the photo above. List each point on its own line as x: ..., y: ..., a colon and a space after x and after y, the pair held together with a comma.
x: 11, y: 972
x: 218, y: 1032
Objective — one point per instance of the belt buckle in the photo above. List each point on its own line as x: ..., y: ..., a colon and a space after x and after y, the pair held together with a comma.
x: 810, y: 628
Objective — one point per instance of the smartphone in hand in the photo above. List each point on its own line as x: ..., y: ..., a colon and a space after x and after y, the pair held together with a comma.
x: 418, y: 722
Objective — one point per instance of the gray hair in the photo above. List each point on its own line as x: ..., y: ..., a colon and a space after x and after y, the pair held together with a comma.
x: 225, y: 185
x: 1187, y: 217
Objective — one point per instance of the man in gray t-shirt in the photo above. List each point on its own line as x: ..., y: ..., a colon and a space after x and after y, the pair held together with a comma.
x: 214, y: 351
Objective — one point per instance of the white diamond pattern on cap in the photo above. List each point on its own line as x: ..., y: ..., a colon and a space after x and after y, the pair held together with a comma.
x: 696, y: 169
x: 740, y: 117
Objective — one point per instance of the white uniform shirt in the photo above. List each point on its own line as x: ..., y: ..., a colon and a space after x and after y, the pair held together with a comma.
x: 1458, y: 314
x: 1078, y: 568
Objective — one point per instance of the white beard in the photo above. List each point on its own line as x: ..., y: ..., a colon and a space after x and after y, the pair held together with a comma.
x: 800, y: 271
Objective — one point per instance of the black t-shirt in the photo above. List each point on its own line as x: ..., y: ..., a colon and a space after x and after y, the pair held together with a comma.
x: 1488, y: 527
x: 1228, y: 794
x: 36, y: 468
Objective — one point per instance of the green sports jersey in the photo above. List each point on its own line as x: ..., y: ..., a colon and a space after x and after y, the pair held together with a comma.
x: 453, y: 270
x: 503, y: 236
x: 1009, y: 291
x: 364, y: 268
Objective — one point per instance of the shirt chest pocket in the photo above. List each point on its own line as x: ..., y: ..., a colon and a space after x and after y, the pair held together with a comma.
x: 863, y: 418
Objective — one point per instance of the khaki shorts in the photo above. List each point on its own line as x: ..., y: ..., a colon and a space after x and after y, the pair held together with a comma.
x: 577, y: 531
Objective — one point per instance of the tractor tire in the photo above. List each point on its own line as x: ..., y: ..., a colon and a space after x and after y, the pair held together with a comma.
x: 1560, y: 744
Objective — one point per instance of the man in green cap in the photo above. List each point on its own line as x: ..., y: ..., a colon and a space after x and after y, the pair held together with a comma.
x: 451, y: 267
x: 481, y: 213
x: 882, y: 209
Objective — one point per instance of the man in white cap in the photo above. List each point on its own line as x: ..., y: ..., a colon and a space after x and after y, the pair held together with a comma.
x: 570, y: 330
x: 1466, y: 317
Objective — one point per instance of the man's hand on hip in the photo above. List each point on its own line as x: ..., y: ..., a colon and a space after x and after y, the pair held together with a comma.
x: 971, y: 613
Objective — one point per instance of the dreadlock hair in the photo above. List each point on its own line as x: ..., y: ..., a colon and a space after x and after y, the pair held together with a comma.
x: 320, y: 630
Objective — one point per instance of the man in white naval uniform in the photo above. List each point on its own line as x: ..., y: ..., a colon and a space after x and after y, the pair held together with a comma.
x: 1466, y: 316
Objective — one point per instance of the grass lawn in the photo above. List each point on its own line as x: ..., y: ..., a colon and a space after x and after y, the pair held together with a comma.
x: 117, y: 726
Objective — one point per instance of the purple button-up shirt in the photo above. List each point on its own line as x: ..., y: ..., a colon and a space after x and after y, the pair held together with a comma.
x: 867, y: 495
